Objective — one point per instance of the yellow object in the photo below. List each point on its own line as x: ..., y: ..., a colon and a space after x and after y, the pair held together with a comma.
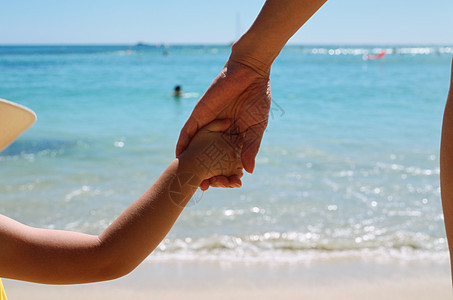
x: 14, y: 119
x: 2, y: 292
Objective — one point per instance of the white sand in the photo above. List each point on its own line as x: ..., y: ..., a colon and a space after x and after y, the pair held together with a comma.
x: 338, y: 279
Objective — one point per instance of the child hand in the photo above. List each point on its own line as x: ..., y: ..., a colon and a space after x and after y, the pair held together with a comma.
x: 213, y: 151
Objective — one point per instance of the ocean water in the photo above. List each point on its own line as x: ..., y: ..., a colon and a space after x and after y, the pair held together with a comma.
x: 349, y: 165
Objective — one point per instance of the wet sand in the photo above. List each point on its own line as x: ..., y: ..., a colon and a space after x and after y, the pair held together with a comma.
x: 330, y: 279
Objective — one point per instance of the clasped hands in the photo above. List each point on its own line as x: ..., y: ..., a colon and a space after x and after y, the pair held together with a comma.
x: 239, y: 99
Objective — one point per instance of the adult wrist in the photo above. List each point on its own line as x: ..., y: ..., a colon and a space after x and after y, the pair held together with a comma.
x: 254, y: 53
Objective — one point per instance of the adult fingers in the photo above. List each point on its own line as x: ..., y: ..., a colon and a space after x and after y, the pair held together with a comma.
x: 252, y: 141
x: 235, y: 181
x: 239, y: 173
x: 219, y: 181
x: 232, y: 181
x: 204, y: 185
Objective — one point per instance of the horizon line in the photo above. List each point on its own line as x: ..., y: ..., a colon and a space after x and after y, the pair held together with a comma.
x: 219, y: 44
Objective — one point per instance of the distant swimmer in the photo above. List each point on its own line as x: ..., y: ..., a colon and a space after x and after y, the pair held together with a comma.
x: 177, y: 91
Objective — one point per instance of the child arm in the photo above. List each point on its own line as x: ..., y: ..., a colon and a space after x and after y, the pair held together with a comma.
x: 62, y: 257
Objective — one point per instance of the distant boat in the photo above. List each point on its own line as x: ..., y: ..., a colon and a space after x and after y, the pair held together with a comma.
x: 140, y: 44
x: 374, y: 56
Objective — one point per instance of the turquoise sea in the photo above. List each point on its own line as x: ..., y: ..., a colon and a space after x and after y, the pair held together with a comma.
x: 349, y: 165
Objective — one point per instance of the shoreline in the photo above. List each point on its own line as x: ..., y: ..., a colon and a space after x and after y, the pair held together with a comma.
x: 338, y: 279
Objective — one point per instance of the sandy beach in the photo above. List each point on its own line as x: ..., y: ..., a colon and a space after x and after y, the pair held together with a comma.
x: 339, y: 279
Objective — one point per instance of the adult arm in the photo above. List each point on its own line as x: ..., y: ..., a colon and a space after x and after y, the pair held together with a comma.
x: 277, y: 22
x: 446, y: 168
x: 242, y: 89
x: 62, y: 257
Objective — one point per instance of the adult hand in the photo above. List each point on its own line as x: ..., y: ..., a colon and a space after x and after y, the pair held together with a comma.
x: 242, y: 94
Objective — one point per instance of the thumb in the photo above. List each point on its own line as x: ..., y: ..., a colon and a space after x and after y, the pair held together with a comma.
x: 186, y: 135
x: 218, y: 125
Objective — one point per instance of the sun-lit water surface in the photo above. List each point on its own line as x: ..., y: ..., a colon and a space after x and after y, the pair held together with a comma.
x: 349, y: 164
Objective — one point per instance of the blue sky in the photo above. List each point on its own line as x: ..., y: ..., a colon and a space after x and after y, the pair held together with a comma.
x: 215, y: 21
